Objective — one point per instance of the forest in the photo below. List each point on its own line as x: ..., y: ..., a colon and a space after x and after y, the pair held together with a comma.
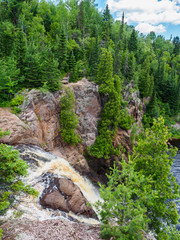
x: 42, y: 42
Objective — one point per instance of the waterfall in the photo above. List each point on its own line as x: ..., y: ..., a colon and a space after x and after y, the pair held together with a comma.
x: 41, y: 162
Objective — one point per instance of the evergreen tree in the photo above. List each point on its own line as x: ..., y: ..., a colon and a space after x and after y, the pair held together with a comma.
x: 154, y: 159
x: 133, y: 42
x: 137, y: 197
x: 122, y: 210
x: 110, y: 87
x: 9, y: 78
x: 60, y: 50
x: 68, y: 119
x: 176, y: 42
x: 32, y: 67
x: 146, y: 81
x: 49, y: 72
x: 105, y: 72
x: 7, y: 38
x: 73, y: 69
x: 107, y: 24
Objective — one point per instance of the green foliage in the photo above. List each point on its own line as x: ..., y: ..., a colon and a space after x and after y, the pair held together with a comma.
x: 125, y: 120
x: 17, y: 100
x: 133, y: 42
x: 9, y: 78
x: 68, y: 118
x: 105, y: 73
x: 1, y: 233
x: 146, y: 81
x: 109, y: 87
x: 122, y: 211
x: 154, y: 158
x: 173, y: 233
x: 12, y: 170
x: 107, y: 127
x: 2, y: 134
x: 41, y: 41
x: 139, y: 196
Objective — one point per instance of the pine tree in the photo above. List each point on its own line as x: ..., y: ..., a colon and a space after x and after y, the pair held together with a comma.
x: 60, y: 50
x: 133, y: 42
x: 9, y: 78
x: 122, y: 210
x: 146, y: 82
x: 68, y: 118
x: 105, y: 72
x: 107, y: 24
x: 110, y: 87
x: 73, y: 69
x: 176, y: 42
x: 49, y: 72
x: 153, y: 158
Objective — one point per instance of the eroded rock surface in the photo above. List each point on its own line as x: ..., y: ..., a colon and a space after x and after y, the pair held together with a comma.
x: 38, y: 124
x: 87, y: 108
x: 67, y: 197
x: 135, y: 106
x: 24, y: 229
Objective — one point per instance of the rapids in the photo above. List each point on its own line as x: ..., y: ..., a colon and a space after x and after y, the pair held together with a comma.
x: 176, y: 172
x: 40, y: 163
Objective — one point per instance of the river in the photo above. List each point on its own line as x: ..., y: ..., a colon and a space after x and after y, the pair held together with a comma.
x: 176, y: 172
x: 40, y: 163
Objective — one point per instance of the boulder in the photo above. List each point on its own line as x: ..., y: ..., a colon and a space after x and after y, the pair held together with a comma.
x: 54, y: 200
x: 76, y: 201
x: 20, y: 132
x: 68, y: 198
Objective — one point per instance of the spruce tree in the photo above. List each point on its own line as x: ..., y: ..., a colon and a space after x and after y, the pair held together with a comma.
x: 68, y: 118
x: 133, y: 42
x: 110, y: 88
x: 146, y: 81
x: 105, y: 72
x: 154, y: 158
x: 107, y: 24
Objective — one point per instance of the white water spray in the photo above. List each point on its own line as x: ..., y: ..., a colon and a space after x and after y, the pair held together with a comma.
x: 41, y: 162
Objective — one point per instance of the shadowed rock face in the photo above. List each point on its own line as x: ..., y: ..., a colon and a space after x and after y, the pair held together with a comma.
x: 38, y: 123
x: 67, y: 197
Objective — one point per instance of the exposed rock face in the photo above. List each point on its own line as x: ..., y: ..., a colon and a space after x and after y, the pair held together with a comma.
x: 20, y: 132
x: 135, y: 106
x: 68, y: 198
x: 87, y: 108
x: 38, y: 123
x: 122, y: 137
x: 55, y: 201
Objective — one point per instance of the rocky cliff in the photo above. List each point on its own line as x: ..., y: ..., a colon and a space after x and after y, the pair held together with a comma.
x: 38, y: 123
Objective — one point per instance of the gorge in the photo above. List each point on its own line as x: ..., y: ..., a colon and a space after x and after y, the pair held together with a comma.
x: 37, y: 127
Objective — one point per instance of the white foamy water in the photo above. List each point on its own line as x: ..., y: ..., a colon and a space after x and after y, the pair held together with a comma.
x: 41, y: 162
